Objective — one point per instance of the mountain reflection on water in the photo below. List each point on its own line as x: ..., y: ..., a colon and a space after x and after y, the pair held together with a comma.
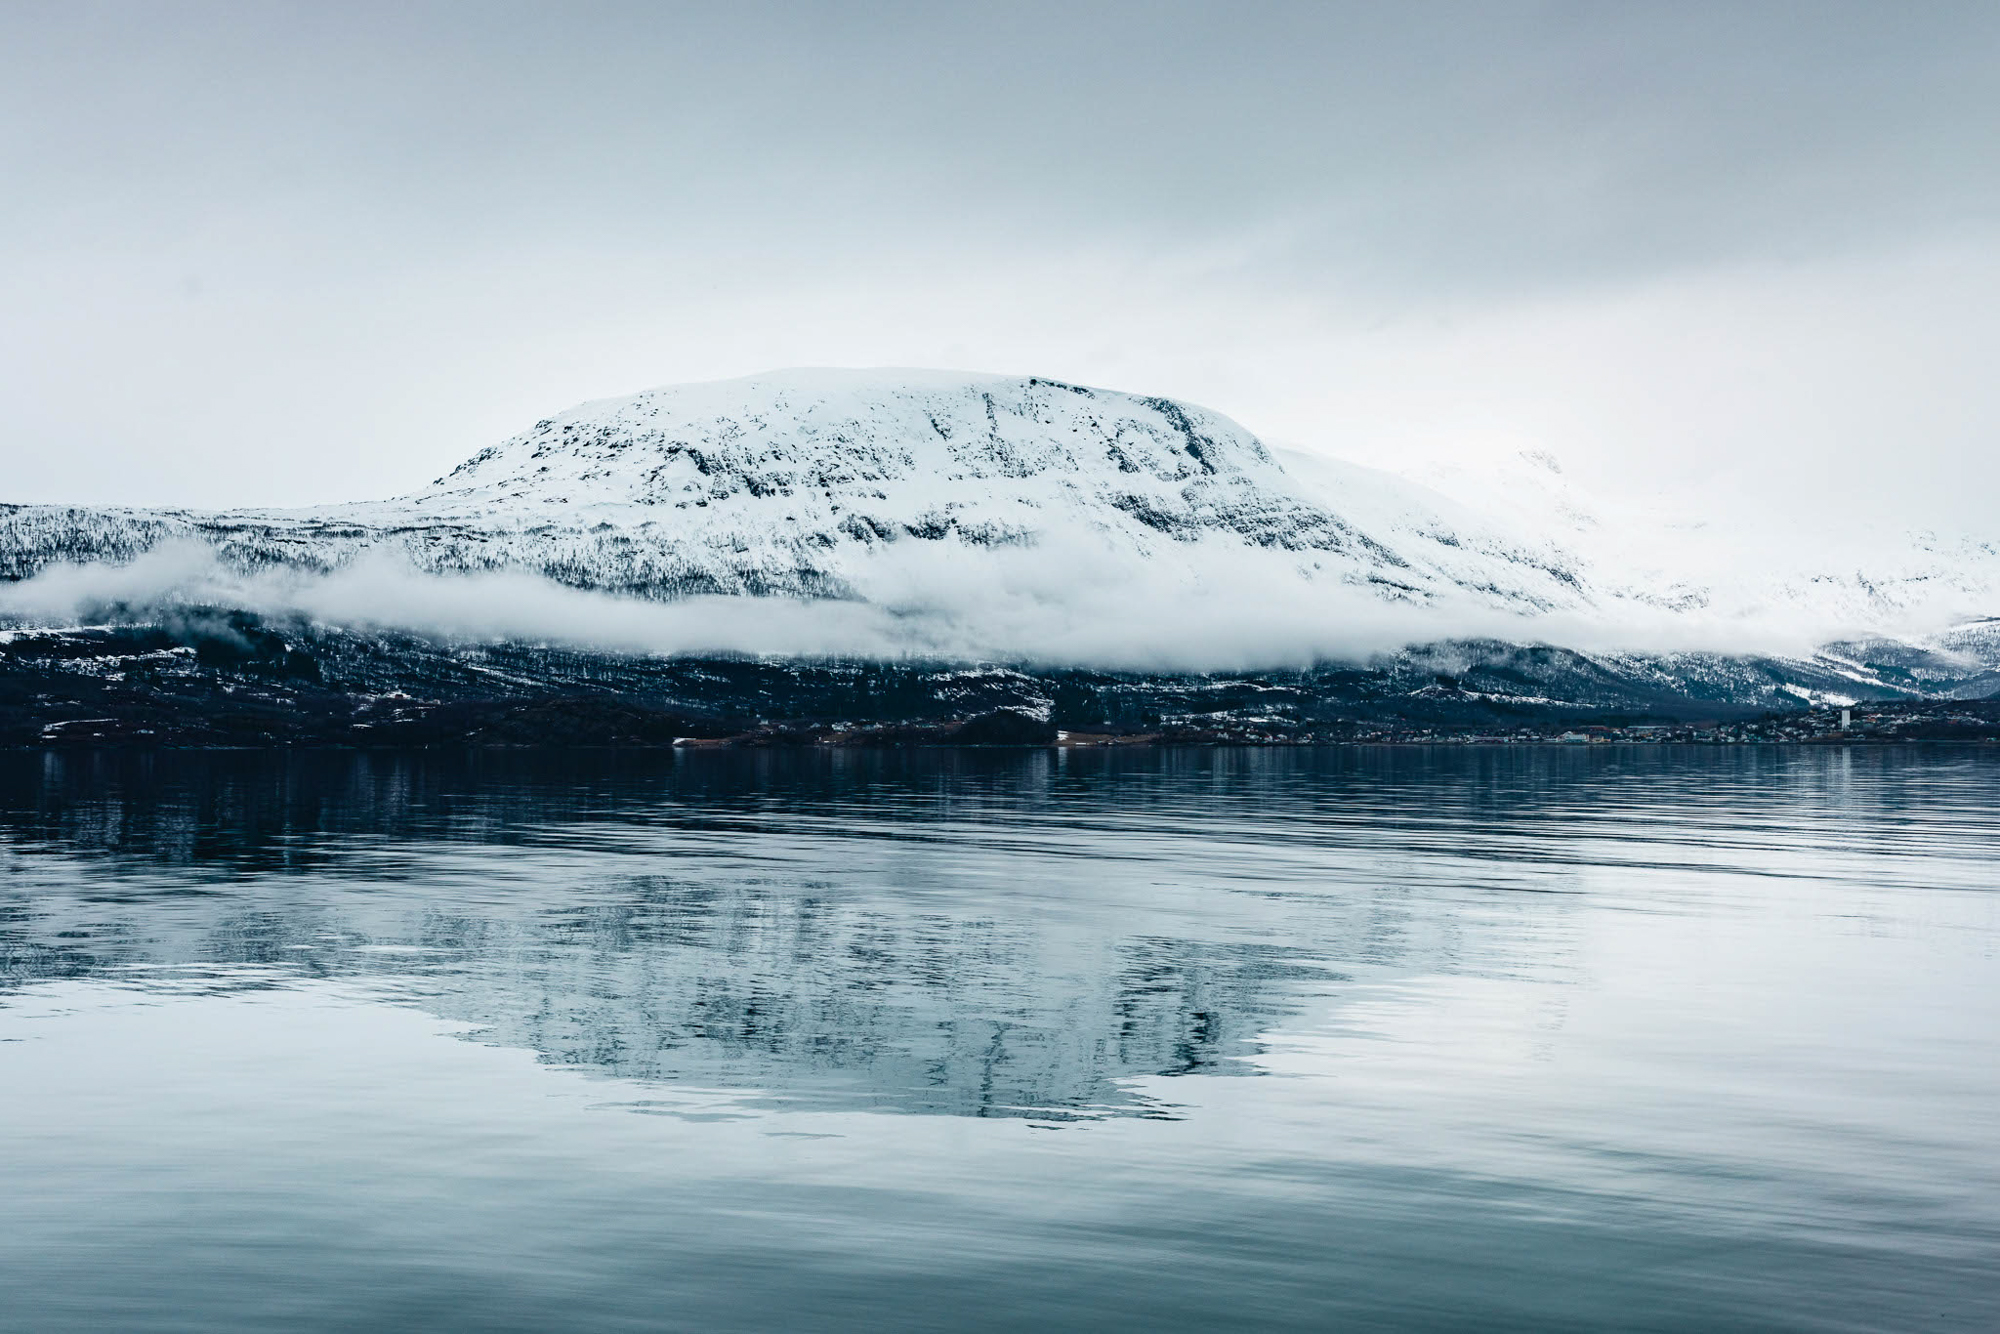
x: 938, y: 932
x: 1450, y: 1038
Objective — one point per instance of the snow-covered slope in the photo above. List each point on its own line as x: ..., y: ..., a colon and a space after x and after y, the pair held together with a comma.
x: 1044, y: 517
x: 1777, y: 566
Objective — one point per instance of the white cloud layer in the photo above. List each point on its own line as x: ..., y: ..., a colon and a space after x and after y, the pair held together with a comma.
x: 1054, y: 605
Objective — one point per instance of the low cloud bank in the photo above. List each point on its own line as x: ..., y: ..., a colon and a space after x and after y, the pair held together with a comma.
x: 1213, y: 608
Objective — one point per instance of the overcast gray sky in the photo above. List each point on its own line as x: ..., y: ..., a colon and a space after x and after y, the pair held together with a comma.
x: 271, y: 253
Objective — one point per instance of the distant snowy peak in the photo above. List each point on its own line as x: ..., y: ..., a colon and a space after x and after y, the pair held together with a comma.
x: 1767, y: 565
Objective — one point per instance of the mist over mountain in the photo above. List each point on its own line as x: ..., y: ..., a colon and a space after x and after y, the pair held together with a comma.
x: 981, y: 517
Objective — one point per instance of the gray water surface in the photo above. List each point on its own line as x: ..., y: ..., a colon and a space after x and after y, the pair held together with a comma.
x: 1409, y: 1039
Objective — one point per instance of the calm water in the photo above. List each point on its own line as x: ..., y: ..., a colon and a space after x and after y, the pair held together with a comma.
x: 1413, y: 1039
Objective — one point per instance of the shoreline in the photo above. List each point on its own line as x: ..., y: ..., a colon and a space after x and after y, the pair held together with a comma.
x: 730, y: 746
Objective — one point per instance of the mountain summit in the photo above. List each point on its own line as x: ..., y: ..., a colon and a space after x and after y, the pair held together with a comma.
x: 785, y: 482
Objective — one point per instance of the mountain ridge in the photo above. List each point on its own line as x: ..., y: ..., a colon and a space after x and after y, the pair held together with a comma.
x: 933, y: 497
x: 782, y: 484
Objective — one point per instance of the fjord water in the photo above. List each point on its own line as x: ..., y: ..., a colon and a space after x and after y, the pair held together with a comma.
x: 1420, y: 1038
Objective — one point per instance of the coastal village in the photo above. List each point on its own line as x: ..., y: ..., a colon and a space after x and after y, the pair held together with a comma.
x: 1877, y: 722
x: 243, y: 683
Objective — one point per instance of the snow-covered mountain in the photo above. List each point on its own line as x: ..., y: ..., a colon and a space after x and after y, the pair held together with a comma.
x: 1041, y: 518
x: 797, y: 482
